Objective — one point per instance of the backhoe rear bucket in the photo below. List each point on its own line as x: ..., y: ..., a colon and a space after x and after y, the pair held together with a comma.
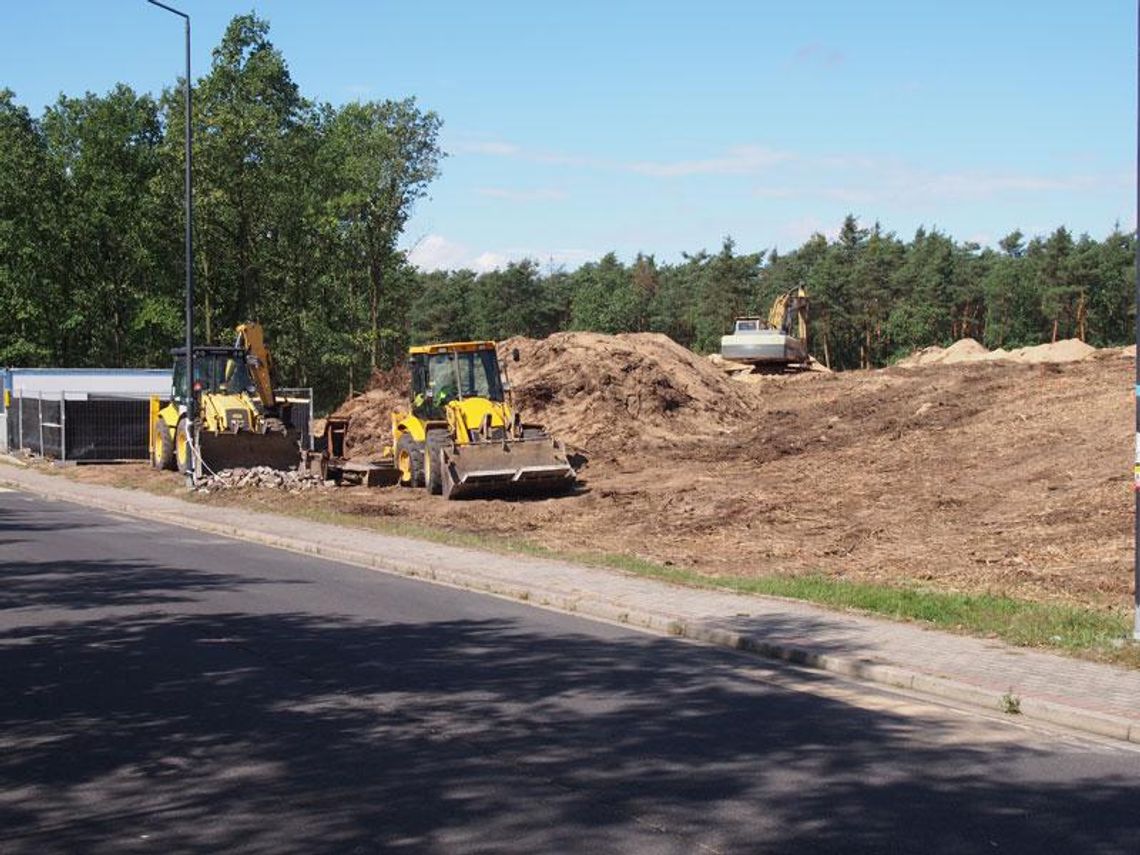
x: 246, y: 449
x: 532, y: 466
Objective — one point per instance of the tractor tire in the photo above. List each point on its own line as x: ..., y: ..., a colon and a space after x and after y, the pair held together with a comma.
x: 183, y: 450
x: 162, y: 455
x: 410, y: 461
x: 433, y: 460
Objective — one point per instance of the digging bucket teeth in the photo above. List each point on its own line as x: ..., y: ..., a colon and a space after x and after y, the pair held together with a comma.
x: 246, y: 449
x: 533, y: 466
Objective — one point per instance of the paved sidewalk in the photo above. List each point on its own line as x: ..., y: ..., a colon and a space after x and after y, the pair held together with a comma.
x: 1087, y: 696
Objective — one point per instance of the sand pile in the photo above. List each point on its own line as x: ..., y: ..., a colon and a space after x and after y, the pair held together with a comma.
x: 963, y: 350
x: 968, y: 350
x: 1068, y: 350
x: 599, y: 391
x: 370, y: 413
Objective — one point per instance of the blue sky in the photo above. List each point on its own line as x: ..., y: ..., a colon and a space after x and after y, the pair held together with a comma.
x: 578, y: 128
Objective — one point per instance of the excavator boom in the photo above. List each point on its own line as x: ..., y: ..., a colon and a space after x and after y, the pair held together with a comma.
x: 251, y: 339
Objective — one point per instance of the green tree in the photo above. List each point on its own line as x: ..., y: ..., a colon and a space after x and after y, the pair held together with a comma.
x: 105, y: 151
x: 604, y: 299
x: 30, y: 265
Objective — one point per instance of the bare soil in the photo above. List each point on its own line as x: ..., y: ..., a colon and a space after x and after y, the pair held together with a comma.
x: 976, y: 475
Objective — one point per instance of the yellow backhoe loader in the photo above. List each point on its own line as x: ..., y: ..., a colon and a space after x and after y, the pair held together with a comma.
x: 462, y: 438
x: 240, y: 420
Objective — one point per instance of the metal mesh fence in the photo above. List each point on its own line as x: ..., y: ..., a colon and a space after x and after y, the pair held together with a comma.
x: 51, y: 428
x: 29, y: 425
x: 107, y: 429
x: 93, y: 429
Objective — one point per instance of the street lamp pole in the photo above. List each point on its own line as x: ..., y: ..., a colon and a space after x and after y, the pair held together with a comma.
x: 1136, y: 471
x: 191, y: 401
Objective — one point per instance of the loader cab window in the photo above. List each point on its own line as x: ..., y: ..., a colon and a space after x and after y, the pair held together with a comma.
x: 213, y: 372
x: 453, y: 376
x: 236, y: 376
x: 747, y: 326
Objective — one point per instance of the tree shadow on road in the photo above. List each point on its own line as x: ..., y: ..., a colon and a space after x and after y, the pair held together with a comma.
x: 187, y: 724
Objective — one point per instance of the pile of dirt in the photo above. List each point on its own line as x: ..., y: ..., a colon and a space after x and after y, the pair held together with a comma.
x: 604, y: 392
x: 968, y: 350
x: 370, y: 413
x: 963, y: 350
x: 1067, y: 350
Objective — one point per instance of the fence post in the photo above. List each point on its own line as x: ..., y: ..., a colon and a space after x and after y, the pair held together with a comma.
x: 63, y: 426
x: 40, y: 398
x: 20, y: 423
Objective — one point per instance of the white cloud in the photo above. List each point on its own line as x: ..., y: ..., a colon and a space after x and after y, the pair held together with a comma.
x: 858, y: 179
x: 485, y: 261
x: 739, y: 160
x: 541, y: 194
x: 797, y: 231
x: 490, y: 148
x: 819, y: 54
x: 435, y: 252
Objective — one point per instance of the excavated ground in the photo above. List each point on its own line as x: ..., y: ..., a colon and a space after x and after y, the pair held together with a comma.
x: 967, y: 475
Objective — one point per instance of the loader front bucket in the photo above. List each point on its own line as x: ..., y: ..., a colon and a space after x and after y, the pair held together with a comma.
x: 245, y: 449
x: 533, y: 466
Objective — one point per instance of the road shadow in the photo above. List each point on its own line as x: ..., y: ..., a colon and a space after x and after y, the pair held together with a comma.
x: 200, y: 721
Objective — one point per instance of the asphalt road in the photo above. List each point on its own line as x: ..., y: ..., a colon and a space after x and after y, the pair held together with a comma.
x: 163, y: 690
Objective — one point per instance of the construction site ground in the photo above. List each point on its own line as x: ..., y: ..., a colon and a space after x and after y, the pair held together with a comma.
x: 955, y: 473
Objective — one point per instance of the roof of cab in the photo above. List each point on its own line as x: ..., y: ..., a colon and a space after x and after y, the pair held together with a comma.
x: 450, y: 346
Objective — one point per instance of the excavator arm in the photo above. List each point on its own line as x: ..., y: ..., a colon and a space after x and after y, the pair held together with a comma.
x: 789, y: 314
x: 251, y: 338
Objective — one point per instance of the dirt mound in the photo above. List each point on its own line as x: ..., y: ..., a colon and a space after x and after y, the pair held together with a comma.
x: 1067, y: 350
x: 927, y: 356
x: 964, y: 350
x: 968, y: 350
x: 599, y: 391
x: 370, y: 413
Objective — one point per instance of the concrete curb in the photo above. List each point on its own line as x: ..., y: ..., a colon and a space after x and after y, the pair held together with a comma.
x: 598, y: 607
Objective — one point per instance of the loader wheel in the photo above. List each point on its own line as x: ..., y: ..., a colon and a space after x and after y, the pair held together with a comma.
x: 162, y: 455
x: 433, y: 461
x: 183, y: 452
x: 410, y: 461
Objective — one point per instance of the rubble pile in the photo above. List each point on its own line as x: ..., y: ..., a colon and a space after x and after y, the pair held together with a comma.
x: 258, y: 477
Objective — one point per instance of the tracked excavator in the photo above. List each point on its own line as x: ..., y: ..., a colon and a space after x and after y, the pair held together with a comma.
x: 240, y: 419
x: 461, y: 437
x: 777, y: 342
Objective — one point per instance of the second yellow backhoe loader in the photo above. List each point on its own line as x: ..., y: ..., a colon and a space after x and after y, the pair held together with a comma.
x: 241, y: 422
x: 461, y: 437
